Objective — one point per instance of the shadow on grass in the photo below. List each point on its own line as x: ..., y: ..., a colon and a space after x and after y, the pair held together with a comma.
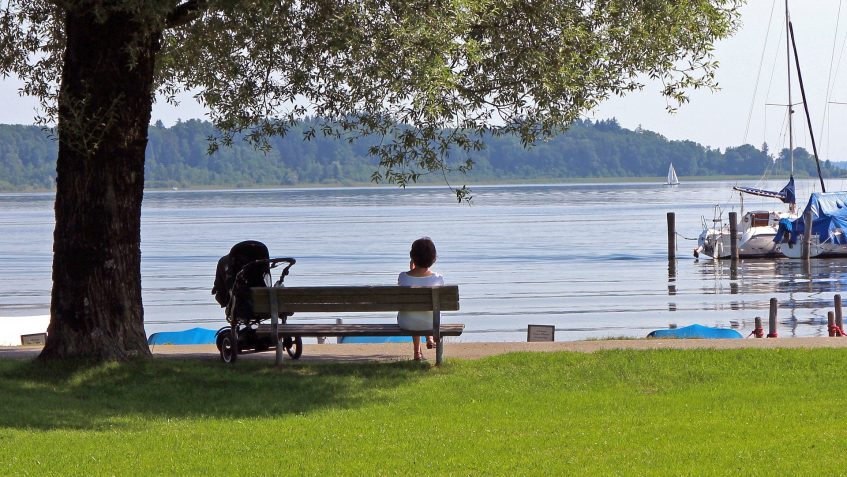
x: 96, y: 396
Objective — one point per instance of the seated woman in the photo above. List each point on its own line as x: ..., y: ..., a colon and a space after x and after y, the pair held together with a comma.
x: 423, y: 256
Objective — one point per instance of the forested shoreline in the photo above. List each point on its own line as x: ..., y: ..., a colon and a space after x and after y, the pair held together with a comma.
x: 177, y: 156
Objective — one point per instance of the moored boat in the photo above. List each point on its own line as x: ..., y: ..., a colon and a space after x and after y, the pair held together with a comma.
x: 757, y: 232
x: 828, y: 235
x: 755, y: 236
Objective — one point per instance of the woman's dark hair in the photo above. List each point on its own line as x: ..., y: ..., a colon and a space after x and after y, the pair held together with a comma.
x: 423, y: 252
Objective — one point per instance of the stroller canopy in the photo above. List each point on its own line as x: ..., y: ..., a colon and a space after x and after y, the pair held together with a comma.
x: 229, y: 265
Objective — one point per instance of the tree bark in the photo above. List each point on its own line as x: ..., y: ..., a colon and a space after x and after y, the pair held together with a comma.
x: 105, y: 103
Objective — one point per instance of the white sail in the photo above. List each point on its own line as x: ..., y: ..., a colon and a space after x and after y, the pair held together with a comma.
x: 672, y: 178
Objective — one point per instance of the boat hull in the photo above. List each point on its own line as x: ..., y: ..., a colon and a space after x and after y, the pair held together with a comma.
x: 795, y: 250
x: 717, y: 245
x: 755, y: 237
x: 817, y: 249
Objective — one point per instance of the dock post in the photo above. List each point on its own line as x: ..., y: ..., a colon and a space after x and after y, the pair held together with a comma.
x: 338, y: 321
x: 839, y: 318
x: 758, y: 332
x: 772, y: 319
x: 733, y: 235
x: 830, y: 323
x: 807, y: 235
x: 671, y: 236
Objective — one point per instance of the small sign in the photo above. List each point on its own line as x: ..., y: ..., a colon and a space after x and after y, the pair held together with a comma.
x: 540, y: 332
x: 37, y: 339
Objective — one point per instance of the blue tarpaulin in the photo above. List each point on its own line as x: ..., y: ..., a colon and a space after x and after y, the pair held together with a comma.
x: 187, y: 337
x: 695, y: 331
x: 829, y: 219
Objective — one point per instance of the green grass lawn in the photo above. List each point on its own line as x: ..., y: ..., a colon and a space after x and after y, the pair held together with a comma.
x: 661, y: 412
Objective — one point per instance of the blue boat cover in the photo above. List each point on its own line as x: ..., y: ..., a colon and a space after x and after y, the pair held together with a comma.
x: 695, y: 331
x: 786, y: 195
x: 829, y: 214
x: 187, y: 337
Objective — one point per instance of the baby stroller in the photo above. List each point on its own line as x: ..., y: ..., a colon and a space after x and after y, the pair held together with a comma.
x: 247, y: 265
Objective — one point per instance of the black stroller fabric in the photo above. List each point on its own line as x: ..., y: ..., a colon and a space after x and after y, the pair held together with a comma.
x: 229, y: 265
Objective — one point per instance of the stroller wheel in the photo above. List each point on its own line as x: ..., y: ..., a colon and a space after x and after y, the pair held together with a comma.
x: 229, y: 352
x: 294, y: 346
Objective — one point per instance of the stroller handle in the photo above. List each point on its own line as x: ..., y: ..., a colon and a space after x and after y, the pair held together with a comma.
x: 272, y: 263
x: 276, y: 261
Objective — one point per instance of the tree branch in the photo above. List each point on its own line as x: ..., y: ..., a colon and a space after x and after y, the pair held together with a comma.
x: 185, y: 13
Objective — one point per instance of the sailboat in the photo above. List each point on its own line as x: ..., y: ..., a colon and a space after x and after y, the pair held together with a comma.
x: 828, y: 238
x: 672, y: 178
x: 757, y: 229
x: 827, y: 230
x: 755, y: 234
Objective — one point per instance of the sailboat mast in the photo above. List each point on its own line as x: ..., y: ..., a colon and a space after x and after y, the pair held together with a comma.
x: 790, y: 100
x: 806, y: 107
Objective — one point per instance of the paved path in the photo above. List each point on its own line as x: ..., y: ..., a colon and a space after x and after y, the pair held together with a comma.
x: 403, y: 351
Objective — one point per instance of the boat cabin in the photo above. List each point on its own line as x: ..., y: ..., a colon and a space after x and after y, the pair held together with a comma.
x: 758, y: 218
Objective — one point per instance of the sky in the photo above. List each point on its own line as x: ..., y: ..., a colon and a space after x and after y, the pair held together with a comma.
x: 749, y: 108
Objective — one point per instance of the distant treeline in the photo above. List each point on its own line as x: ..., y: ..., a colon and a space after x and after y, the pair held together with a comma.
x: 178, y: 157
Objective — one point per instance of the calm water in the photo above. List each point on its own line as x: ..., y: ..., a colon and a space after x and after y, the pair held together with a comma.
x: 589, y: 259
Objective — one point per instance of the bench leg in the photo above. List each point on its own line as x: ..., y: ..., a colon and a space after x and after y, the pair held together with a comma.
x: 278, y: 350
x: 439, y: 351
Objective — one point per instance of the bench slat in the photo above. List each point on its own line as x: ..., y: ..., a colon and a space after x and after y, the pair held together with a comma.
x: 354, y: 299
x: 339, y: 307
x: 387, y: 329
x: 336, y: 292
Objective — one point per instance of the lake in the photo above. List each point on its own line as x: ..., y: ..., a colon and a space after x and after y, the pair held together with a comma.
x: 590, y: 259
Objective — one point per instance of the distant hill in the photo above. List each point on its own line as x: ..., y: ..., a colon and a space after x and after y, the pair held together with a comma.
x: 177, y: 157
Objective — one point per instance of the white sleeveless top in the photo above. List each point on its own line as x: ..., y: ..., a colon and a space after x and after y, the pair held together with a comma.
x: 417, y: 320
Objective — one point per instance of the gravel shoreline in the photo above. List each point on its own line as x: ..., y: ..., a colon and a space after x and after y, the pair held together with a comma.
x: 463, y: 350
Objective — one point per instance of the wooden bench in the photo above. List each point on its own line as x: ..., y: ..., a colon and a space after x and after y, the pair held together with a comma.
x: 336, y: 299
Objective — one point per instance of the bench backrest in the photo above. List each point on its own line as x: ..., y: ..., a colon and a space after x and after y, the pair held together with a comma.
x: 357, y: 298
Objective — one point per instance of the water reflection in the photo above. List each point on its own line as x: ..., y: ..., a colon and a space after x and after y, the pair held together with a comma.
x: 774, y: 276
x: 672, y: 277
x: 805, y: 290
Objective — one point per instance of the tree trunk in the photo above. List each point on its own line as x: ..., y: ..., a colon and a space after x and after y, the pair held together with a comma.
x: 105, y: 103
